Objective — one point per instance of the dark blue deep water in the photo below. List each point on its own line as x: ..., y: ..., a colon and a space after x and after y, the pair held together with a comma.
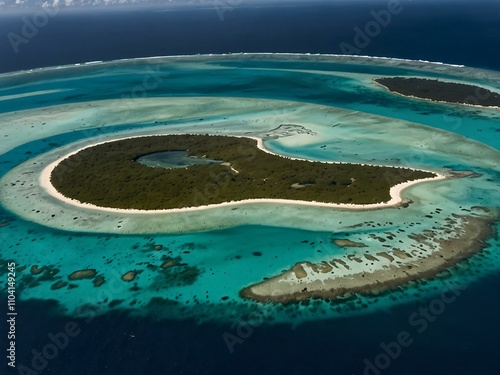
x: 464, y: 339
x: 461, y: 340
x: 454, y: 31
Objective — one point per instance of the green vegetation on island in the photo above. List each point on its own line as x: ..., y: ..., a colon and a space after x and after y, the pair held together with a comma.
x: 449, y: 92
x: 108, y: 175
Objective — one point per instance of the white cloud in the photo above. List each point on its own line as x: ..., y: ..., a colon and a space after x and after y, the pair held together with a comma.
x: 71, y: 3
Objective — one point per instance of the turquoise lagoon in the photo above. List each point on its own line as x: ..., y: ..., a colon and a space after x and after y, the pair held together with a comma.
x: 316, y: 107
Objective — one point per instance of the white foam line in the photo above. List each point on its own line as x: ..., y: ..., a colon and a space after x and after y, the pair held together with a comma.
x: 360, y: 57
x: 30, y: 94
x: 395, y: 191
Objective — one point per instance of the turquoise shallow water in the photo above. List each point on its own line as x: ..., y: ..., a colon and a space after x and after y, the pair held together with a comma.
x: 337, y: 115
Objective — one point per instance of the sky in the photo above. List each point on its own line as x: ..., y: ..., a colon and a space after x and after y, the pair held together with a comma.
x: 23, y: 4
x: 5, y: 4
x: 89, y: 3
x: 75, y: 4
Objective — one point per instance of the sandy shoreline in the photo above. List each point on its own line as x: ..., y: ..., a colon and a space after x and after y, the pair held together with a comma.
x: 395, y: 191
x: 323, y: 280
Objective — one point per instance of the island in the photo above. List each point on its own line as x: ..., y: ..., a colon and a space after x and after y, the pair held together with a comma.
x: 439, y: 91
x: 179, y: 171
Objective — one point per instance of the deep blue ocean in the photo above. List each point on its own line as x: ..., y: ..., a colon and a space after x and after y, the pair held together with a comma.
x: 460, y: 31
x: 464, y: 339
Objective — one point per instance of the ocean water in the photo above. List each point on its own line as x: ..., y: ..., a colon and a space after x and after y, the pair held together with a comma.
x: 465, y: 33
x: 194, y: 322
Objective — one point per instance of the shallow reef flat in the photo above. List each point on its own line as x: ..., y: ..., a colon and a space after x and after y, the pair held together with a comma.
x: 373, y: 272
